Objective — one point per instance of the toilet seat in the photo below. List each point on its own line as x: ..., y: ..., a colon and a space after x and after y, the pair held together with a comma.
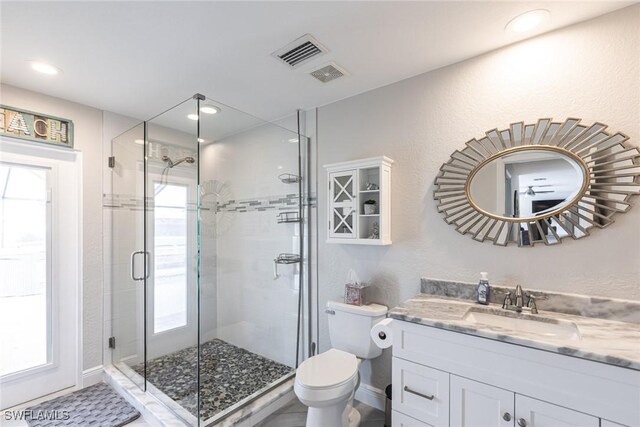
x: 331, y: 369
x: 327, y: 378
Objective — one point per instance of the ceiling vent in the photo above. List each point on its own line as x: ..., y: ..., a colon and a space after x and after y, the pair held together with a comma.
x: 329, y: 72
x: 300, y: 51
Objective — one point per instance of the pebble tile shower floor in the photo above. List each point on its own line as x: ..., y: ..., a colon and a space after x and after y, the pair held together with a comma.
x: 228, y: 375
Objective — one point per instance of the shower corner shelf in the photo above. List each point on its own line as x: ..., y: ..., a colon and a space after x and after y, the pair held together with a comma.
x: 287, y: 259
x: 287, y: 217
x: 352, y: 184
x: 289, y: 178
x: 284, y: 259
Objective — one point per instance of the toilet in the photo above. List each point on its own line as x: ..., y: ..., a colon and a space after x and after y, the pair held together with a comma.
x: 326, y: 383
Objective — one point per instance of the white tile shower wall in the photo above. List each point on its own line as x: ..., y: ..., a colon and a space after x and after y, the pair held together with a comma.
x: 589, y: 70
x: 252, y: 309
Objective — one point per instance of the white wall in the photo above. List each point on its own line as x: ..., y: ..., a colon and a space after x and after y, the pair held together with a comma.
x: 590, y: 70
x: 88, y: 139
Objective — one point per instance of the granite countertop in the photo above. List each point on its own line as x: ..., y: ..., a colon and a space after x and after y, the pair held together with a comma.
x: 601, y: 340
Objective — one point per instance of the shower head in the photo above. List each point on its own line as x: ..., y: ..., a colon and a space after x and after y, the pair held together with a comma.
x: 171, y: 163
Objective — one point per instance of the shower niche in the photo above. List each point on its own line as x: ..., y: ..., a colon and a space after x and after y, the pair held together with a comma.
x: 190, y: 238
x: 359, y: 201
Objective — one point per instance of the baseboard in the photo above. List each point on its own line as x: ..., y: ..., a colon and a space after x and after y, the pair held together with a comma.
x: 371, y: 395
x: 92, y: 376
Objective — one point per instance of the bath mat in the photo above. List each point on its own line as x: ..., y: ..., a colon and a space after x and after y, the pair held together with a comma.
x: 98, y: 405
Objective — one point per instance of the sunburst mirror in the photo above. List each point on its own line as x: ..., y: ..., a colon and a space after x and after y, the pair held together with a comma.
x: 539, y: 182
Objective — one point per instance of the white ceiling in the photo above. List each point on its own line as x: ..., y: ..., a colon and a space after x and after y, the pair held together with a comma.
x: 139, y: 58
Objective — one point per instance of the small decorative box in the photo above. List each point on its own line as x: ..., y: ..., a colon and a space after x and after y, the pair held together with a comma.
x: 354, y: 293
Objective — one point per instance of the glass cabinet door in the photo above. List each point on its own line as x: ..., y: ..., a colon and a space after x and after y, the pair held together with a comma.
x: 343, y: 210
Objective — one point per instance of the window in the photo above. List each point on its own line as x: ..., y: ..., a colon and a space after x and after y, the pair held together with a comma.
x: 25, y: 259
x: 170, y: 257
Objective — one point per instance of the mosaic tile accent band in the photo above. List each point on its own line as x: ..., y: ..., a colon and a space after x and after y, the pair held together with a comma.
x: 267, y: 203
x: 229, y: 374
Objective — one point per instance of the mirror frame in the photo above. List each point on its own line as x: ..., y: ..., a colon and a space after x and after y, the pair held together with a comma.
x: 611, y: 177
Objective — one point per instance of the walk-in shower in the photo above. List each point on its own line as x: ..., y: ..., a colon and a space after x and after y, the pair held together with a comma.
x: 207, y: 256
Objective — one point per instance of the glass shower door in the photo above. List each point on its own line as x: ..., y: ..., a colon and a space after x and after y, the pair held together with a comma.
x: 124, y: 213
x: 172, y: 243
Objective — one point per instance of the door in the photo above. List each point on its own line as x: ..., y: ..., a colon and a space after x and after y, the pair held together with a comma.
x: 125, y: 256
x: 536, y: 413
x: 342, y: 205
x: 474, y: 404
x: 39, y: 271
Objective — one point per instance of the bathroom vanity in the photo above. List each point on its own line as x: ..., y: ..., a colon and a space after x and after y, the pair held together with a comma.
x: 457, y: 363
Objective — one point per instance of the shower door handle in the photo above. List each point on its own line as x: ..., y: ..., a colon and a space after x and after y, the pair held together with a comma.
x: 133, y: 266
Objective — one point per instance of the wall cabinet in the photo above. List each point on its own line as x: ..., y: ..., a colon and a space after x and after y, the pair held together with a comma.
x: 444, y: 378
x: 359, y: 201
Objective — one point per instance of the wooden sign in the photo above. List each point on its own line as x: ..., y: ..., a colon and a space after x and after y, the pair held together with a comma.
x: 35, y: 127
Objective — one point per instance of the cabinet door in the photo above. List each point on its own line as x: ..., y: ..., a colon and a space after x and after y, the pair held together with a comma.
x: 474, y: 404
x: 536, y: 413
x: 342, y: 205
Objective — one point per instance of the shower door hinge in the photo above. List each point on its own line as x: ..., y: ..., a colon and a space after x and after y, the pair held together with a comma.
x: 112, y: 162
x: 112, y: 342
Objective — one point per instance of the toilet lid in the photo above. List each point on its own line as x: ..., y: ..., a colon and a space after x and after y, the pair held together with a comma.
x: 328, y: 369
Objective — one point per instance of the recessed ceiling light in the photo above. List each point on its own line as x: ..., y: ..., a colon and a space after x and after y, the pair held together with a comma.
x: 138, y: 141
x: 44, y: 68
x: 527, y: 21
x: 210, y: 109
x: 192, y: 116
x: 293, y: 140
x: 200, y: 140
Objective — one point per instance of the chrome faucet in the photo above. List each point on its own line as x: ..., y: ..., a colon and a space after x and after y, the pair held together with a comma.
x: 519, y: 301
x: 519, y: 306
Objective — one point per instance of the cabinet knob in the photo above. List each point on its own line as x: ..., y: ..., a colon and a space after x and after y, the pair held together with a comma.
x: 522, y: 422
x: 506, y: 416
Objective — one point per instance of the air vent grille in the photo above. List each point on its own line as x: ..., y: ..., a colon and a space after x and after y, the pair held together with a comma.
x: 328, y: 73
x: 300, y: 51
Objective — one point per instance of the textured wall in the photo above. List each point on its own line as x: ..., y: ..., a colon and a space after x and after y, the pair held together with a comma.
x: 87, y: 123
x: 590, y: 70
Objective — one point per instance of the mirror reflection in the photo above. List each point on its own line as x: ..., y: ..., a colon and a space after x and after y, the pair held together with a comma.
x: 526, y: 184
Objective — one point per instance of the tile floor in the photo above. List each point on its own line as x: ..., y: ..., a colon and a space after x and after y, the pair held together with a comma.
x: 228, y: 375
x: 294, y: 414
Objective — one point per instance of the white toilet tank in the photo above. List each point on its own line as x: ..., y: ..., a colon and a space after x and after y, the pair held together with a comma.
x: 350, y: 325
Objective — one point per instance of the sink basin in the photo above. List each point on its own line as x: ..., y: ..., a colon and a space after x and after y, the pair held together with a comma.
x: 542, y: 326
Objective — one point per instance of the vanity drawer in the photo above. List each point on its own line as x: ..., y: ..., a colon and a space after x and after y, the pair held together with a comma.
x: 398, y: 419
x: 421, y: 392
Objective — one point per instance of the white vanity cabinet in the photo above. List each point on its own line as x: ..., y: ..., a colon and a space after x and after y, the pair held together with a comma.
x: 359, y: 201
x: 445, y: 378
x: 475, y: 404
x: 536, y: 413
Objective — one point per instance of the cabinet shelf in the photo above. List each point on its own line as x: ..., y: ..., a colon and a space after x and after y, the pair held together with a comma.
x: 348, y: 197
